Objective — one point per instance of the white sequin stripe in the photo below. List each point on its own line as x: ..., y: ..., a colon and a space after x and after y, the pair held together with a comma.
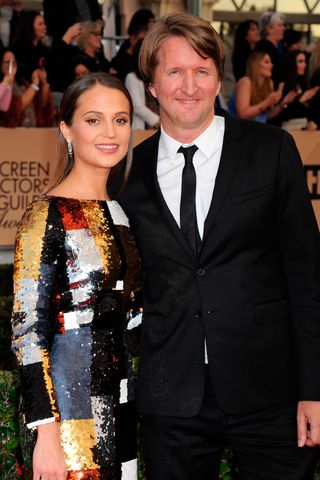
x: 44, y: 421
x: 124, y: 390
x: 117, y: 214
x: 87, y: 258
x: 129, y: 470
x: 75, y: 319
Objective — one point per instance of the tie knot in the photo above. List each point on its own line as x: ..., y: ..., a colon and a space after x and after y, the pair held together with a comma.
x: 188, y: 152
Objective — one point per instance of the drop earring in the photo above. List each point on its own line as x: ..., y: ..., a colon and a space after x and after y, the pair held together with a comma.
x: 70, y: 149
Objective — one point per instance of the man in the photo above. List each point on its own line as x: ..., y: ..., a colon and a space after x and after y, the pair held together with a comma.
x: 230, y: 333
x: 272, y: 31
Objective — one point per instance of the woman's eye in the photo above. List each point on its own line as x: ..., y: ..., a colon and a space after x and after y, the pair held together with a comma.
x: 121, y: 120
x: 92, y: 121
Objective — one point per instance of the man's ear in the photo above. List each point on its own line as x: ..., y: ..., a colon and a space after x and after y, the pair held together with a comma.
x: 152, y: 90
x: 64, y: 129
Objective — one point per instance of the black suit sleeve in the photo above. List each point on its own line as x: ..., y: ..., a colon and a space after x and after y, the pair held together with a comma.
x: 300, y: 247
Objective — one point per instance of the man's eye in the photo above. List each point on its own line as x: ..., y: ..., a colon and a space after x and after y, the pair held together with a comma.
x: 202, y: 72
x: 173, y: 73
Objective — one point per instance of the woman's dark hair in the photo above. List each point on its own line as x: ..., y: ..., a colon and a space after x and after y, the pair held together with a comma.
x: 293, y: 81
x: 139, y: 21
x: 68, y: 106
x: 240, y: 41
x: 25, y: 30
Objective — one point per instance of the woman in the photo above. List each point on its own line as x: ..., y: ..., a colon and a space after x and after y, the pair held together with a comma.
x: 254, y: 97
x: 245, y: 39
x: 89, y: 44
x: 142, y: 115
x: 75, y: 266
x: 31, y: 103
x: 28, y: 46
x: 300, y: 114
x: 6, y: 85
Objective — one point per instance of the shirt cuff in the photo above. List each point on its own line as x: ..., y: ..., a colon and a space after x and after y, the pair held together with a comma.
x: 41, y: 422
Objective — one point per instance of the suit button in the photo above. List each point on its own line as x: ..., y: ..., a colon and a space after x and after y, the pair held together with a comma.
x: 201, y: 272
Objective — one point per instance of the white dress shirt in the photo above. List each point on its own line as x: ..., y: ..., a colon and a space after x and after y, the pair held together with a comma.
x: 206, y: 163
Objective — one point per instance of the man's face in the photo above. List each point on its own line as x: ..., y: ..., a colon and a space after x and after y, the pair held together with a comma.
x: 277, y: 31
x: 185, y: 85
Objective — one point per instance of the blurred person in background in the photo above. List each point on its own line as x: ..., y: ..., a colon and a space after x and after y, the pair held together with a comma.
x: 61, y: 14
x: 301, y: 113
x: 124, y: 62
x: 28, y: 43
x: 142, y: 115
x: 291, y: 40
x: 272, y: 30
x: 31, y: 102
x: 246, y: 37
x: 254, y: 96
x: 89, y: 45
x: 8, y: 67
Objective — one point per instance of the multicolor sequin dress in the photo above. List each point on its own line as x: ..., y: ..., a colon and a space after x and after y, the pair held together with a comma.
x: 75, y: 266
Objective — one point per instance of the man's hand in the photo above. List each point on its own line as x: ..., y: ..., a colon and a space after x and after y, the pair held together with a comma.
x: 308, y: 419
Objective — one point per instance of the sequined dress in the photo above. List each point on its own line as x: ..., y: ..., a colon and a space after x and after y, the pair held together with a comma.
x: 75, y: 266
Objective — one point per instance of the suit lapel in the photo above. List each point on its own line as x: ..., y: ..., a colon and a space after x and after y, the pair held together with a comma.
x: 150, y: 179
x: 232, y: 151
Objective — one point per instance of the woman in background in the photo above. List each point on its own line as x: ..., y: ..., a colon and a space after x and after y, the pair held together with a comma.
x: 142, y: 115
x: 302, y: 108
x: 245, y: 39
x: 89, y: 45
x: 254, y: 97
x: 31, y: 103
x: 75, y: 266
x: 28, y: 43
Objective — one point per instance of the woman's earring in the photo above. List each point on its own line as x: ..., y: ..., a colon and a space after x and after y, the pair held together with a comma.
x: 70, y: 149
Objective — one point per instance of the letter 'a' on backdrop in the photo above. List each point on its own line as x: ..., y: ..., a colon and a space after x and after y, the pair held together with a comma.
x: 27, y: 160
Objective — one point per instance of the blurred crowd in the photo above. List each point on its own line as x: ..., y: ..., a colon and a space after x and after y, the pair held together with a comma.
x: 277, y: 77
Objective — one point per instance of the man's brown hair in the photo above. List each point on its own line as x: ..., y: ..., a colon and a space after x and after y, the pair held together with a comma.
x: 198, y: 32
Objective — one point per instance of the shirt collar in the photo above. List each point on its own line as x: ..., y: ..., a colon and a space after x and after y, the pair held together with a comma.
x: 207, y: 142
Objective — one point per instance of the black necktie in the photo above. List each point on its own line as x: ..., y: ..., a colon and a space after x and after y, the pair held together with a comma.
x: 188, y: 215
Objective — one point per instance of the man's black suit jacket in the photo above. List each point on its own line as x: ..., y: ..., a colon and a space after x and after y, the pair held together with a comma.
x: 253, y: 293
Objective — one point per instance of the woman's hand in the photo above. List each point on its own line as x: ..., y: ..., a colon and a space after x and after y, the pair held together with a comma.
x: 289, y: 97
x: 35, y: 77
x: 48, y: 458
x: 72, y: 34
x: 42, y: 75
x: 308, y: 94
x: 274, y: 97
x: 8, y: 80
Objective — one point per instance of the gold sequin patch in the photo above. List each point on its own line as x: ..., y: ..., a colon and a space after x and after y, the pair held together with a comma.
x: 78, y: 439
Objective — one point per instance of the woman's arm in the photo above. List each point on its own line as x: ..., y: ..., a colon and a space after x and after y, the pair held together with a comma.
x: 5, y: 95
x: 48, y: 456
x: 243, y: 100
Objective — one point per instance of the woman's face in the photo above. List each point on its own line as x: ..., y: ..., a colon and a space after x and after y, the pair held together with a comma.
x: 253, y: 34
x: 81, y: 70
x: 94, y: 39
x: 266, y: 66
x: 7, y: 60
x: 301, y: 63
x: 100, y: 129
x: 39, y: 27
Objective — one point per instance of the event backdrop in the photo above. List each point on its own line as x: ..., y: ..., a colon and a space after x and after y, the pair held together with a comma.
x: 27, y: 159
